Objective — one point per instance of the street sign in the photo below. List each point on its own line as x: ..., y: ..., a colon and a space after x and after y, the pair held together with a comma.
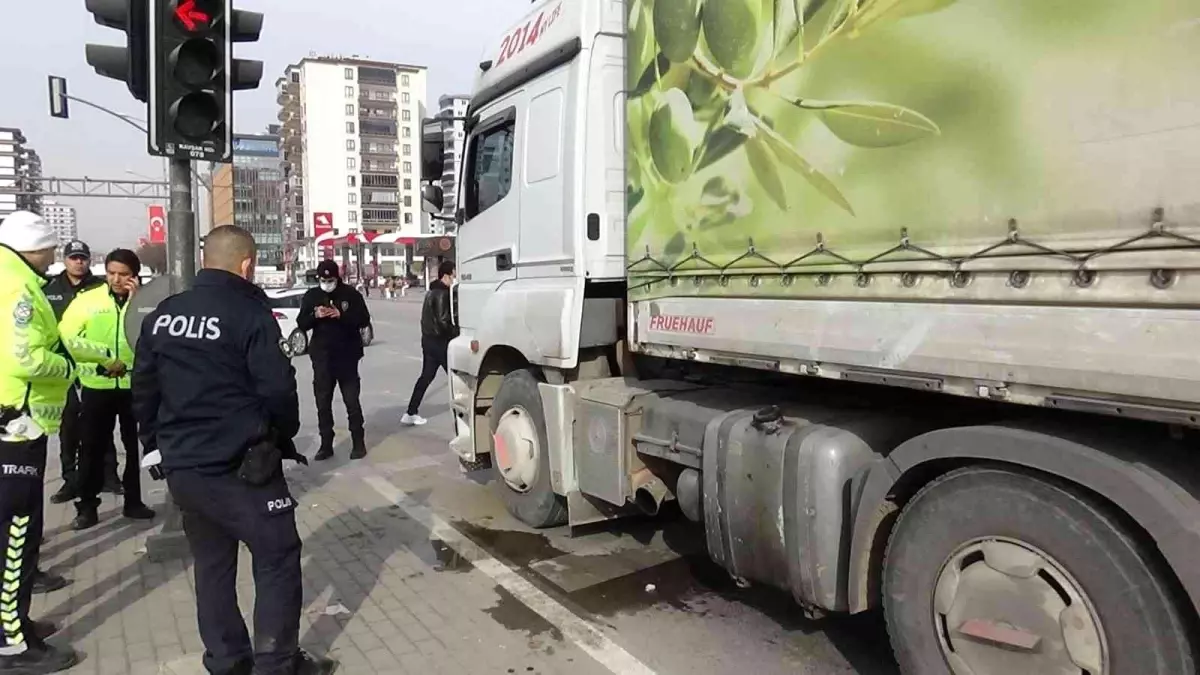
x: 58, y: 97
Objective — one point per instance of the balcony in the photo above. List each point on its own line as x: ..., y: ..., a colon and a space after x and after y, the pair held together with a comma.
x: 377, y: 76
x: 378, y: 150
x: 377, y: 129
x: 379, y: 217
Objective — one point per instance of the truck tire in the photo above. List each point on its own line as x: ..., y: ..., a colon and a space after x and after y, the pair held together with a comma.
x: 520, y: 458
x: 985, y: 557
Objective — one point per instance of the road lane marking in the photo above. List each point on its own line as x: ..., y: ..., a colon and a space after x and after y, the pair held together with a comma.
x: 582, y: 633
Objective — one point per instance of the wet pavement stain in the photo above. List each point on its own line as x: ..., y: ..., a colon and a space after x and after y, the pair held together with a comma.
x: 512, y: 546
x: 515, y: 616
x: 679, y: 584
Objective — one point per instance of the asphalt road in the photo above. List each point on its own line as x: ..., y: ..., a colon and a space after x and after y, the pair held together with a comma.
x: 646, y: 584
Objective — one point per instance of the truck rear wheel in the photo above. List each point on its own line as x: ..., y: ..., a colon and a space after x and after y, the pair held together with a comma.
x: 520, y: 453
x: 993, y: 572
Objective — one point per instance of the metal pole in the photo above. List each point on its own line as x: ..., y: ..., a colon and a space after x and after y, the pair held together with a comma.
x: 181, y: 227
x: 124, y: 118
x: 170, y: 543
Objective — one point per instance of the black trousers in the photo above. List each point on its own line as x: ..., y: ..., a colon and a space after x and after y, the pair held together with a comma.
x: 22, y: 472
x: 341, y: 372
x: 102, y: 409
x: 218, y: 513
x: 434, y: 355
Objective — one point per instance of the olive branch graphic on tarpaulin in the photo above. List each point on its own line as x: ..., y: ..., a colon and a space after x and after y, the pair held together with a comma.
x: 698, y: 72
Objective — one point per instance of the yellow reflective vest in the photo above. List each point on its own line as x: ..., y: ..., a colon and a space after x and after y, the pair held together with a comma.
x: 35, y: 372
x: 95, y: 318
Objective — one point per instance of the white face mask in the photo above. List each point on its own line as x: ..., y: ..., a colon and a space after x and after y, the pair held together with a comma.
x: 328, y: 286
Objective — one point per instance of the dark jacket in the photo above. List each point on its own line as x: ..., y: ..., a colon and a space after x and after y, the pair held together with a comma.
x: 340, y: 337
x: 60, y: 292
x: 210, y: 377
x: 437, y: 322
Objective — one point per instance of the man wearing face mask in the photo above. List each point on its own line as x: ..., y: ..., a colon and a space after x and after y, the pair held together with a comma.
x: 336, y: 315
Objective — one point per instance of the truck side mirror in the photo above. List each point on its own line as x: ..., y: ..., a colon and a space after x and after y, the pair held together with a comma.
x: 433, y: 147
x: 433, y: 199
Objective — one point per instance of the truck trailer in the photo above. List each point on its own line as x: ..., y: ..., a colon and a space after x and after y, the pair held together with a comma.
x: 897, y: 298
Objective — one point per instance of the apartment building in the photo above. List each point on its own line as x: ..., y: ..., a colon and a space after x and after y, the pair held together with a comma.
x: 61, y: 217
x: 351, y: 131
x: 249, y: 193
x: 20, y: 171
x: 452, y: 107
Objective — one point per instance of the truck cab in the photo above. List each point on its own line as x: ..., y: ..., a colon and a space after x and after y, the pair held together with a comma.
x: 542, y: 208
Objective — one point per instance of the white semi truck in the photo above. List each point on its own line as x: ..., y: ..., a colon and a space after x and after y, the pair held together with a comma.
x: 898, y: 298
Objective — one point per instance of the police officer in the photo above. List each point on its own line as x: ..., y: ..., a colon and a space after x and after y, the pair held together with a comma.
x: 99, y: 316
x: 215, y: 394
x: 35, y: 373
x: 76, y: 278
x: 336, y: 315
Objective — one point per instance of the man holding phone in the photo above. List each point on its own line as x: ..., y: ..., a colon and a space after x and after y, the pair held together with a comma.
x: 98, y: 315
x: 336, y: 315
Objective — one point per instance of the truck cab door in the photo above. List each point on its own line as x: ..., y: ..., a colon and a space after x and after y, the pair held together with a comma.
x: 491, y: 210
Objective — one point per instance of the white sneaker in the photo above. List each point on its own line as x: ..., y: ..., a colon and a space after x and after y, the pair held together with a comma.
x: 412, y: 420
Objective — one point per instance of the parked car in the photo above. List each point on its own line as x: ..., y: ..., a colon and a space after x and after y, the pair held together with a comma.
x: 285, y: 304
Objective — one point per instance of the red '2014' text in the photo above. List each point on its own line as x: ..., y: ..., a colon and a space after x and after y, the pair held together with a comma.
x: 528, y: 35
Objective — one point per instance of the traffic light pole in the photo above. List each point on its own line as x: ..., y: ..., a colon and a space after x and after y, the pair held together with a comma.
x: 169, y: 543
x: 181, y: 226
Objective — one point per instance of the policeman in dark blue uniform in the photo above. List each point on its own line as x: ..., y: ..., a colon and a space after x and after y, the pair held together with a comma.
x: 216, y: 396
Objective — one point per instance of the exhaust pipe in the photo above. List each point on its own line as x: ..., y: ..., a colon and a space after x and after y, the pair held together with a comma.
x: 649, y: 492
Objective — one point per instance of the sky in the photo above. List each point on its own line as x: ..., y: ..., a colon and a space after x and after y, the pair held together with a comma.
x: 448, y: 37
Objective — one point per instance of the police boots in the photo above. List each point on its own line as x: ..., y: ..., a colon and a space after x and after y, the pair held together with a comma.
x: 38, y: 659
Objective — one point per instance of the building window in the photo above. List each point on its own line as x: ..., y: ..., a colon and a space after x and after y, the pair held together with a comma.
x: 349, y: 73
x: 408, y: 219
x: 408, y: 167
x: 407, y: 183
x: 349, y: 127
x: 349, y: 91
x: 351, y: 181
x: 405, y: 97
x: 351, y: 198
x: 490, y: 174
x: 352, y: 216
x: 407, y: 149
x: 351, y: 163
x: 406, y: 115
x: 407, y: 133
x: 404, y: 80
x: 407, y: 201
x: 350, y: 109
x: 350, y: 144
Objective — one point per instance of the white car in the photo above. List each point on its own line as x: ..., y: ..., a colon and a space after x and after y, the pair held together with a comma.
x: 285, y: 304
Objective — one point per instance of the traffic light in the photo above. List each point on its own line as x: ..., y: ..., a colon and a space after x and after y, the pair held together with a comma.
x: 128, y: 64
x: 193, y: 76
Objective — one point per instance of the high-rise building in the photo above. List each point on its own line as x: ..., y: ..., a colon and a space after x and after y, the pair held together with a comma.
x: 249, y: 193
x: 20, y: 172
x: 351, y: 131
x: 452, y: 107
x: 62, y: 218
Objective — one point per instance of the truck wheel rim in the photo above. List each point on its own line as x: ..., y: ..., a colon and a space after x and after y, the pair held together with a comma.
x: 1001, y: 607
x: 517, y: 449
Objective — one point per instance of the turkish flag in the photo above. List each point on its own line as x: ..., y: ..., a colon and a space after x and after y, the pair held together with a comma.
x: 158, y: 224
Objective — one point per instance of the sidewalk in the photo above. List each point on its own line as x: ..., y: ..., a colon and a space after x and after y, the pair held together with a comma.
x: 381, y: 596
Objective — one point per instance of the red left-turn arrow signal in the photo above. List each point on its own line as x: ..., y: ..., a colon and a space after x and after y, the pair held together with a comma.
x: 189, y: 16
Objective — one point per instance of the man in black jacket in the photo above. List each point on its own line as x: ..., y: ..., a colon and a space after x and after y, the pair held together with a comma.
x: 60, y: 291
x: 437, y: 330
x: 336, y: 315
x: 215, y: 395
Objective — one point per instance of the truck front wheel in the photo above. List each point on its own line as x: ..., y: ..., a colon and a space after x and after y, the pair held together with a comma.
x: 994, y: 572
x: 520, y: 449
